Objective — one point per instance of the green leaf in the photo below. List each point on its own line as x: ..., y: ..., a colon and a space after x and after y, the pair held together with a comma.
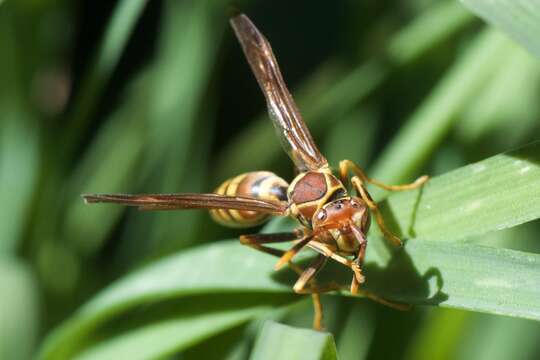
x: 112, y: 46
x: 509, y: 103
x: 478, y: 278
x: 277, y: 341
x: 19, y: 139
x: 20, y: 310
x: 170, y: 334
x: 464, y: 276
x: 356, y: 332
x: 174, y: 278
x: 493, y: 194
x: 432, y: 121
x: 519, y: 18
x: 159, y: 113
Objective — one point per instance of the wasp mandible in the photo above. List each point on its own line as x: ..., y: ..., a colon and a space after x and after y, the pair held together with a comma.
x: 332, y: 222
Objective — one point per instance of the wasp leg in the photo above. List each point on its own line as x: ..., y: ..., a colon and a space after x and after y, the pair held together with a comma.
x: 383, y: 301
x: 361, y: 190
x: 308, y: 277
x: 353, y: 265
x: 358, y: 278
x: 346, y: 165
x: 289, y: 254
x: 359, y: 261
x: 256, y: 240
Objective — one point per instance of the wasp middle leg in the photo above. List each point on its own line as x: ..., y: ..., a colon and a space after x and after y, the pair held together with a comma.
x: 346, y: 165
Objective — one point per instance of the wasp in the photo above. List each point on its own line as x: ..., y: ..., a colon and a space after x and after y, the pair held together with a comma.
x: 331, y: 221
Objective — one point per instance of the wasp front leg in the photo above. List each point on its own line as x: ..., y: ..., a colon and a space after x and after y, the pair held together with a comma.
x: 351, y: 264
x: 347, y: 165
x: 306, y: 277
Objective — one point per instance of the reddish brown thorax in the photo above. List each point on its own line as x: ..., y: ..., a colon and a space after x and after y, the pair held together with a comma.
x: 310, y: 191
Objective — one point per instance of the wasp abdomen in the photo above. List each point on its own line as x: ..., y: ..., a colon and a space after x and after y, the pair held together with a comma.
x: 263, y: 185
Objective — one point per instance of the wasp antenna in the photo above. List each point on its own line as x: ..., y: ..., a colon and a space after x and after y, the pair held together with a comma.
x: 358, y: 234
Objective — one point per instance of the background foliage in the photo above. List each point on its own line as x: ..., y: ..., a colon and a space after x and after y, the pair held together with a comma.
x: 155, y: 96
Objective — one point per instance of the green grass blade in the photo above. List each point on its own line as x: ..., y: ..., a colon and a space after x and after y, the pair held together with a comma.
x: 356, y: 333
x: 108, y: 166
x: 498, y: 338
x: 156, y: 120
x: 470, y: 277
x: 519, y: 18
x: 443, y: 327
x: 114, y: 42
x: 165, y: 337
x: 20, y: 310
x: 509, y: 105
x: 478, y: 278
x: 277, y: 341
x: 167, y: 279
x: 19, y: 139
x: 493, y: 194
x: 433, y: 120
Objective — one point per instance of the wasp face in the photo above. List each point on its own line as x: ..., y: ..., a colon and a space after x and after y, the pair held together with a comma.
x: 347, y: 219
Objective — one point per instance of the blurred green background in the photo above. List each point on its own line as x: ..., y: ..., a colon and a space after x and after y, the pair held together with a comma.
x: 156, y: 96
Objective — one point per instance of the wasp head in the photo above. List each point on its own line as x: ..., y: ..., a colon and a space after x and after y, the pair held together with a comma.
x: 347, y: 219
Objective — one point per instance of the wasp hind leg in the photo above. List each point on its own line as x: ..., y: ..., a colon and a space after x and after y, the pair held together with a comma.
x: 346, y: 165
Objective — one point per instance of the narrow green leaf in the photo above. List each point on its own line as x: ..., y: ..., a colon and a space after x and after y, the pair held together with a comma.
x: 277, y: 341
x: 19, y: 314
x: 165, y: 337
x: 493, y: 194
x: 19, y: 139
x: 156, y: 119
x: 444, y: 327
x: 497, y: 338
x: 519, y: 18
x: 114, y: 41
x: 166, y: 279
x: 434, y: 118
x: 108, y: 166
x: 356, y: 333
x: 478, y: 278
x: 508, y: 109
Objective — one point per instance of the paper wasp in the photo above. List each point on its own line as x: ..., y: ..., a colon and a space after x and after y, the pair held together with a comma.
x: 333, y: 223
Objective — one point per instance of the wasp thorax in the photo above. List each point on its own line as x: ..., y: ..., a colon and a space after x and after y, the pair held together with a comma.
x: 341, y: 214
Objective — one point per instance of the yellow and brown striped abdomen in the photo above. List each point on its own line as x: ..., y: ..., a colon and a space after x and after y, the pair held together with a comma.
x: 257, y: 184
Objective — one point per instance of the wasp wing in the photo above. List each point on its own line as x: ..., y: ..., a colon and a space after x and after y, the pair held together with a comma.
x: 291, y: 128
x: 189, y: 201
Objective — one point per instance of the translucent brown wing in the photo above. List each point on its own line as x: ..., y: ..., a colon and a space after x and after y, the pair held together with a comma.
x: 292, y: 130
x: 188, y: 201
